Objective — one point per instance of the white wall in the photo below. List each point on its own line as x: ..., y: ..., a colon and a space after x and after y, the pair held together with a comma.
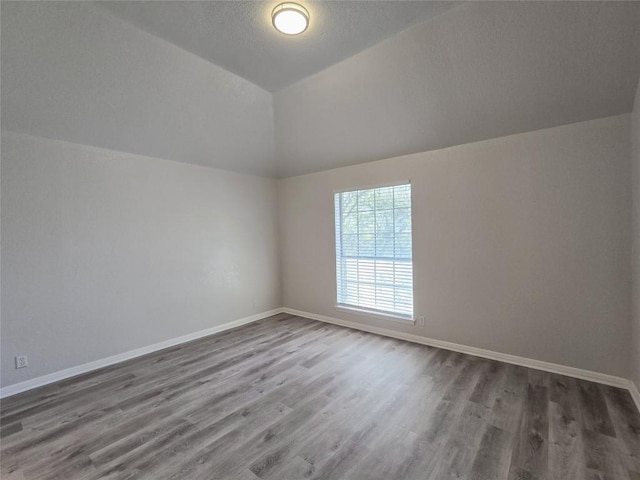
x: 74, y: 72
x: 521, y: 243
x: 104, y: 252
x: 635, y: 260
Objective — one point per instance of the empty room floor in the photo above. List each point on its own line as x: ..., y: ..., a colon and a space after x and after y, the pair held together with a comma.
x: 292, y: 398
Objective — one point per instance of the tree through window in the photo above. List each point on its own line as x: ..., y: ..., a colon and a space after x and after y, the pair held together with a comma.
x: 374, y: 265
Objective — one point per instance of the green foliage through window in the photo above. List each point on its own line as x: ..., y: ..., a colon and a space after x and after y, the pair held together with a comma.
x: 373, y: 249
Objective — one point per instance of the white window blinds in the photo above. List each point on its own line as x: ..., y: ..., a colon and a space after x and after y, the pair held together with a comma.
x: 374, y: 266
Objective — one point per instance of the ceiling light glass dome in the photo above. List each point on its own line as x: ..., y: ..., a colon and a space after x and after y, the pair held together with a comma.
x: 290, y: 18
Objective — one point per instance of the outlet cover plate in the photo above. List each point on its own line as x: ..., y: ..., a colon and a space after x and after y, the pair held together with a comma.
x: 22, y: 361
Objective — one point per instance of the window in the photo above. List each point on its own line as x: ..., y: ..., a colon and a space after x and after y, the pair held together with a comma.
x: 374, y: 266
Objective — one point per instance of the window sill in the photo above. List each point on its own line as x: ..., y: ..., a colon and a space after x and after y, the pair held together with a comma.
x: 373, y: 313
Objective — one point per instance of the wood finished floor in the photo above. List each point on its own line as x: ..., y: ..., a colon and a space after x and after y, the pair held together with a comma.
x: 291, y: 398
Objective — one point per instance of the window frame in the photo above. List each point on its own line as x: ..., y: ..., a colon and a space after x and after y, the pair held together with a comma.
x: 366, y: 311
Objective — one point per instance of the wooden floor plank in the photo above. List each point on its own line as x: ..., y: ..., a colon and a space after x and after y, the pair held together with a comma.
x: 530, y: 454
x: 288, y: 398
x: 565, y: 433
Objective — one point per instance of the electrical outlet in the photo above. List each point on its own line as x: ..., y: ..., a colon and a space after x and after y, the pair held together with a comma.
x: 421, y: 321
x: 22, y: 361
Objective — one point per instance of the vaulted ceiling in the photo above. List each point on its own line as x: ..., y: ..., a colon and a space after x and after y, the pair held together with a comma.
x: 212, y: 83
x: 239, y: 36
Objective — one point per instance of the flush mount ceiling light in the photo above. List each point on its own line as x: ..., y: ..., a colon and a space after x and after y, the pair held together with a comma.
x: 290, y: 18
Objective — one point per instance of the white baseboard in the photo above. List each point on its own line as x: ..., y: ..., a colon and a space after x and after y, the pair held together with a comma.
x: 635, y: 394
x: 479, y: 352
x: 121, y: 357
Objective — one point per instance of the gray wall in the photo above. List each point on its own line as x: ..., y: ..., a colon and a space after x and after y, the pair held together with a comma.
x: 521, y: 243
x: 635, y: 260
x: 74, y: 72
x: 104, y: 252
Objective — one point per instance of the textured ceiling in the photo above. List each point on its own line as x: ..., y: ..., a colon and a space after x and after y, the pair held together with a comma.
x: 76, y: 72
x: 485, y: 70
x: 239, y: 36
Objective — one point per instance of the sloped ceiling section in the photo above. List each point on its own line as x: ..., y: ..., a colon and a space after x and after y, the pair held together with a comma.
x: 91, y: 75
x: 238, y: 35
x: 73, y: 72
x: 478, y: 71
